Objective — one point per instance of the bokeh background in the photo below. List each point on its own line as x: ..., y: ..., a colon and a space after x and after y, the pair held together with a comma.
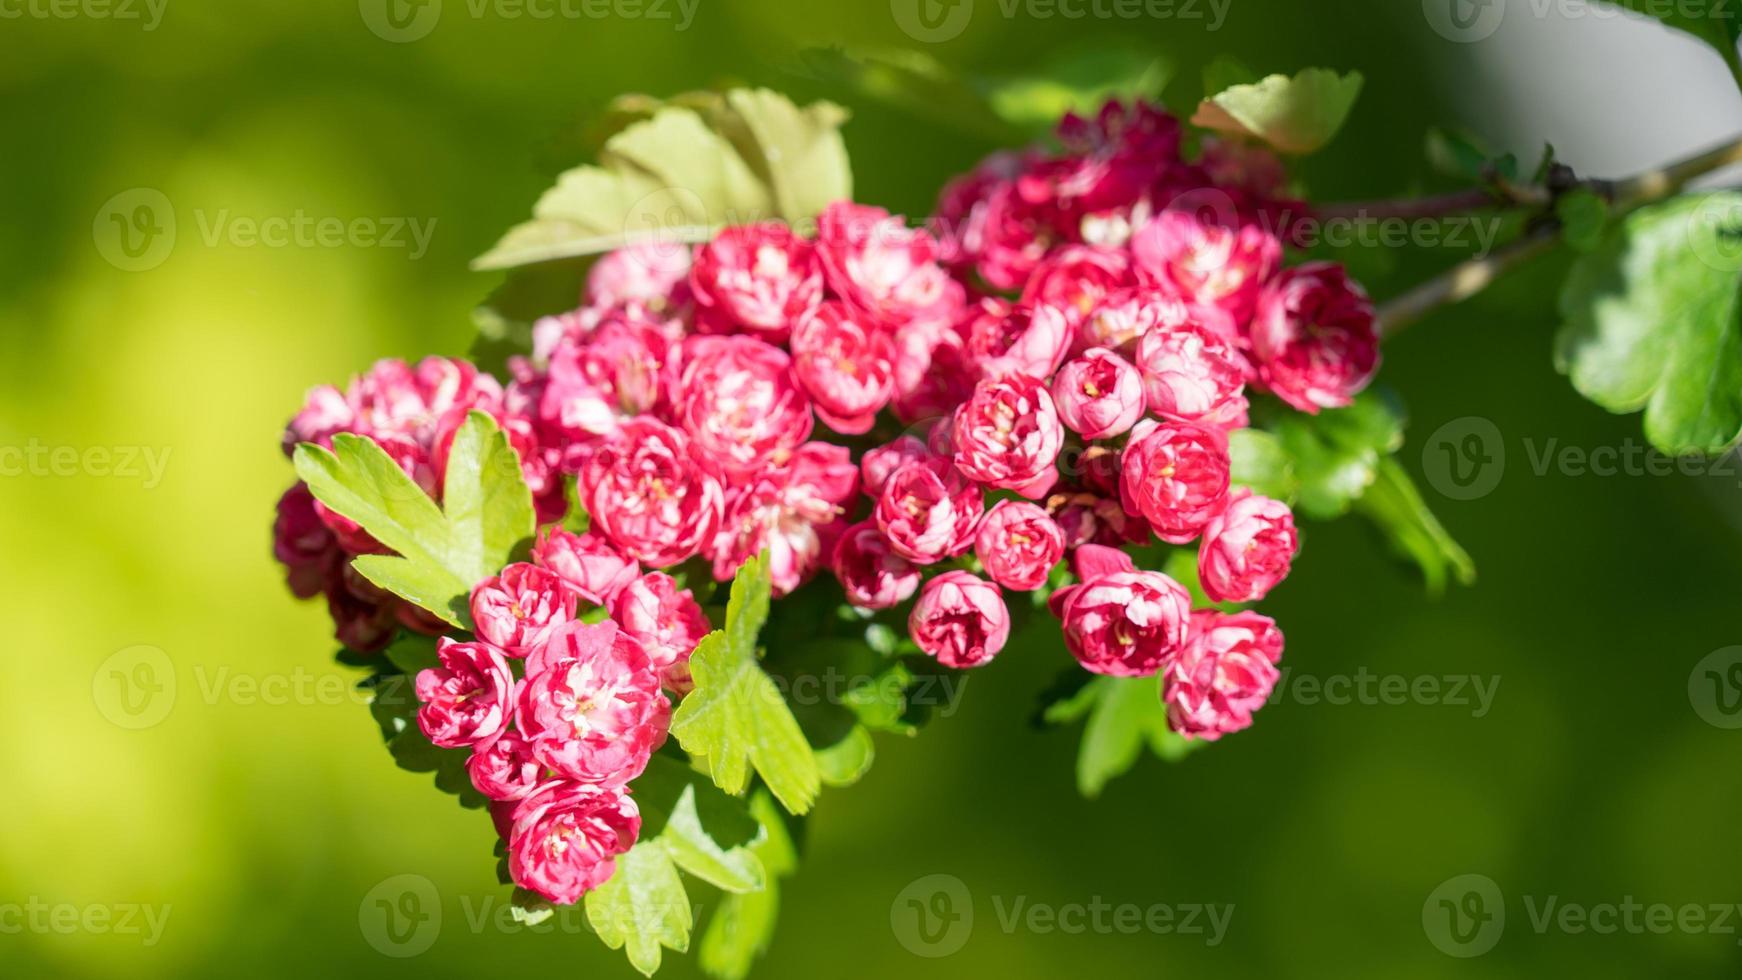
x: 260, y: 809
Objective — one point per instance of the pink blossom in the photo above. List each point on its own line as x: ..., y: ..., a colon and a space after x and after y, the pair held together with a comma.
x: 1223, y: 675
x: 872, y: 575
x: 877, y: 464
x: 1028, y: 340
x: 933, y: 370
x: 845, y: 365
x: 504, y: 767
x: 960, y: 619
x: 1175, y: 475
x: 1008, y: 435
x: 1120, y: 621
x: 739, y: 403
x: 647, y: 495
x: 613, y: 375
x: 1247, y: 548
x: 760, y: 277
x: 365, y: 625
x: 303, y: 543
x: 792, y: 512
x: 1191, y: 374
x: 591, y: 704
x: 928, y: 511
x: 1099, y: 394
x: 518, y: 609
x: 1090, y: 518
x: 1125, y: 316
x: 467, y: 699
x: 667, y: 622
x: 325, y: 413
x: 1018, y: 544
x: 1314, y: 338
x: 1207, y: 263
x: 645, y: 272
x: 1076, y: 278
x: 883, y: 268
x: 1005, y: 234
x: 587, y: 563
x: 566, y: 837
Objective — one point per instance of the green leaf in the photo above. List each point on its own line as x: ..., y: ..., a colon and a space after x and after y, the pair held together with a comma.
x: 743, y: 925
x: 505, y: 318
x: 688, y: 169
x: 394, y: 708
x: 1295, y: 115
x: 1336, y: 453
x: 910, y: 81
x: 1396, y: 506
x: 441, y: 552
x: 1125, y: 714
x: 1262, y: 464
x: 1080, y: 81
x: 708, y: 833
x: 1583, y: 216
x: 846, y: 760
x: 736, y: 719
x: 643, y: 907
x: 1650, y: 321
x: 1716, y: 23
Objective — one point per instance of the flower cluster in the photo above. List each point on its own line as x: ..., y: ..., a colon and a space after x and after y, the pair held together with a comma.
x: 928, y: 419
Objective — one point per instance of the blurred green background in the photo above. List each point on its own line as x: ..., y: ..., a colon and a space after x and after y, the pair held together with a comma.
x: 261, y: 809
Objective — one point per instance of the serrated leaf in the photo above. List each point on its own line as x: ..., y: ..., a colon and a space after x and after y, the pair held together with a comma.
x: 1336, y: 454
x: 1260, y: 463
x: 1651, y: 321
x: 440, y: 551
x: 643, y: 907
x: 1295, y: 115
x: 1126, y: 715
x: 394, y: 708
x: 735, y: 719
x: 1396, y: 506
x: 1583, y: 216
x: 687, y: 170
x: 846, y: 760
x: 708, y: 833
x: 1716, y: 23
x: 743, y: 925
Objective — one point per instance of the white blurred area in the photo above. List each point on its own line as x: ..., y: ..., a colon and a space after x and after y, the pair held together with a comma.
x: 1615, y: 92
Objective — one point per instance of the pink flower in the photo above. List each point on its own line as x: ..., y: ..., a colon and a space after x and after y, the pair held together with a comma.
x: 1004, y: 234
x: 928, y: 511
x: 845, y: 365
x: 518, y: 609
x: 1008, y: 435
x: 647, y: 495
x: 1314, y: 339
x: 1089, y: 518
x: 303, y: 543
x: 1029, y: 340
x: 793, y: 513
x: 739, y: 403
x: 1018, y: 544
x: 882, y: 267
x: 880, y: 462
x: 612, y: 375
x: 667, y: 622
x: 325, y: 413
x: 933, y: 371
x: 467, y: 699
x: 1191, y: 374
x: 1175, y: 475
x: 1207, y: 263
x: 760, y: 277
x: 1099, y: 394
x: 960, y: 619
x: 1247, y: 548
x: 1120, y: 621
x: 1125, y: 316
x: 1076, y: 278
x: 566, y: 837
x: 871, y: 574
x: 591, y: 706
x: 646, y: 272
x: 1223, y: 675
x: 504, y: 767
x: 586, y: 563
